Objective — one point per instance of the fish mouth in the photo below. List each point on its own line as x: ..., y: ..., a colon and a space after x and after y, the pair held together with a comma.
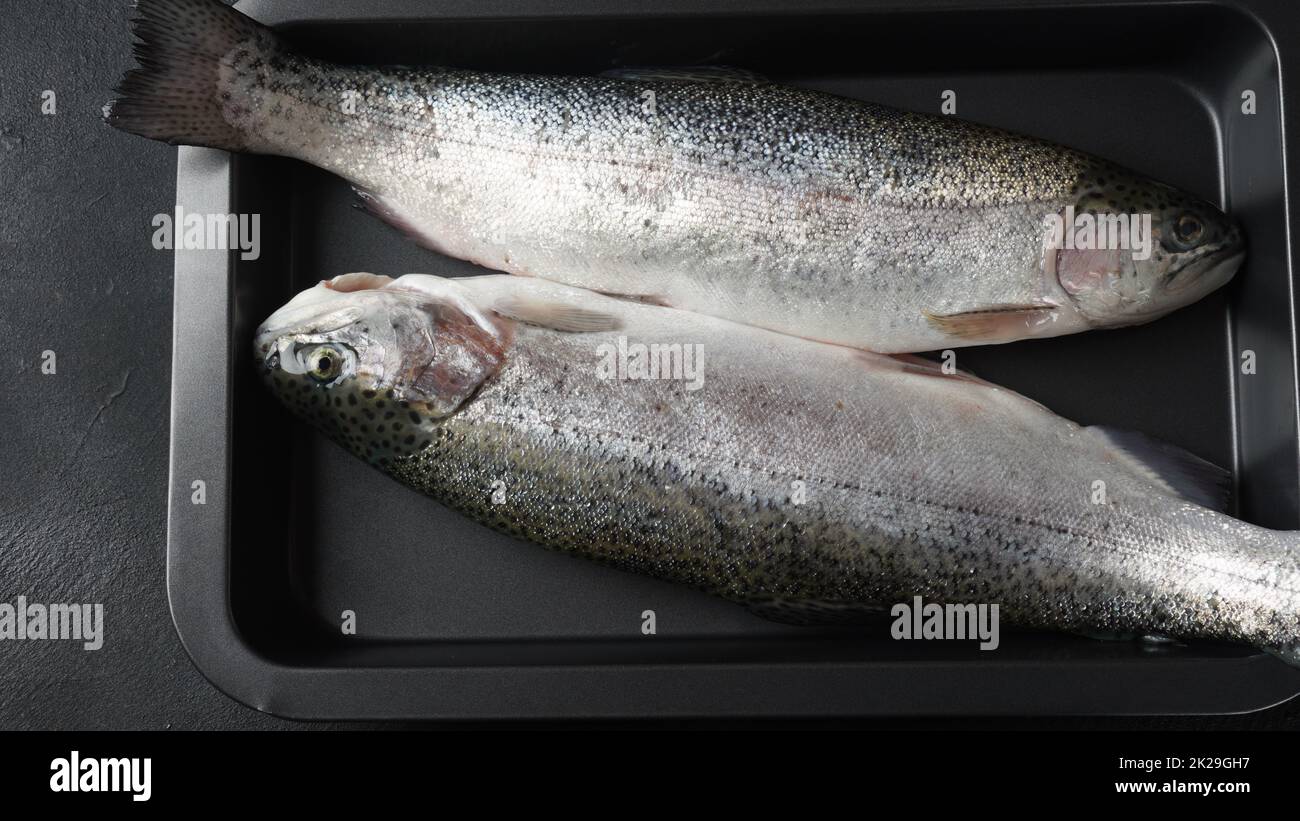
x: 1214, y: 269
x: 264, y: 346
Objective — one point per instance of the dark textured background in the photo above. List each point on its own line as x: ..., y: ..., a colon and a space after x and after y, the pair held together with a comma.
x: 83, y: 458
x: 83, y: 470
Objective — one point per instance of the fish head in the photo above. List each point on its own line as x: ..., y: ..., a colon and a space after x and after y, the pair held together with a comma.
x: 1128, y: 249
x: 376, y: 366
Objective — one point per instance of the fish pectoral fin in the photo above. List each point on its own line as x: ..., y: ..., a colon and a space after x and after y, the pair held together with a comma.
x: 559, y: 316
x: 1184, y: 474
x: 998, y: 323
x: 697, y: 74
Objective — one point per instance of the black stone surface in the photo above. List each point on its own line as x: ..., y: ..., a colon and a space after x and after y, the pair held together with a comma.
x: 83, y: 452
x: 83, y: 470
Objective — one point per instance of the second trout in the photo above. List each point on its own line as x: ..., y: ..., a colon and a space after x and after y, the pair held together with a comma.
x: 808, y: 482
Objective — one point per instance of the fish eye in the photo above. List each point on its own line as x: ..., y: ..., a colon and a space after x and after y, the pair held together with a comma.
x: 1188, y: 230
x: 324, y: 363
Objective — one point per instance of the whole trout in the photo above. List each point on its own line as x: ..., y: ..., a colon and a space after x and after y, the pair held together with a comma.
x: 807, y: 481
x: 715, y: 192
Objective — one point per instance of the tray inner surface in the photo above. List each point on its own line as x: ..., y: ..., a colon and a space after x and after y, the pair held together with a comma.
x: 315, y: 532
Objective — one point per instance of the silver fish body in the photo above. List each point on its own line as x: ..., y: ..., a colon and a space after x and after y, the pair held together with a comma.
x: 794, y: 210
x: 804, y: 480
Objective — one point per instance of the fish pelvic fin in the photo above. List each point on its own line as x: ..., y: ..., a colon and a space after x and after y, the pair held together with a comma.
x: 173, y: 96
x: 998, y: 323
x: 921, y: 366
x: 914, y: 363
x: 391, y: 212
x: 640, y: 299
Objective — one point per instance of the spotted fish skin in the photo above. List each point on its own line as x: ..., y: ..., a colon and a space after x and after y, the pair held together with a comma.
x: 790, y: 209
x: 801, y: 478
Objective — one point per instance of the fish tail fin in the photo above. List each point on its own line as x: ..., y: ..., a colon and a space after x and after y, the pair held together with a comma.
x: 173, y: 96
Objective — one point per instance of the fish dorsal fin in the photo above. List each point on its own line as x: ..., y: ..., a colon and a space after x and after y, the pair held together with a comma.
x: 690, y: 74
x: 1186, y: 475
x: 559, y: 316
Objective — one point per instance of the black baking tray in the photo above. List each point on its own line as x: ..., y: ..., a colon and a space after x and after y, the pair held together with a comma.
x: 455, y: 621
